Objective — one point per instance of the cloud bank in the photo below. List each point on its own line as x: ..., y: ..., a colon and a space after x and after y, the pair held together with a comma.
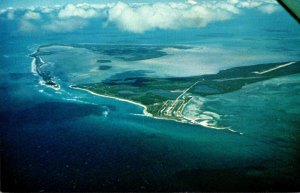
x: 136, y: 18
x: 163, y: 16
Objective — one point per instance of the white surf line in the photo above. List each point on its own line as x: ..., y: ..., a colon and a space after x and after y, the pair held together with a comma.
x: 140, y: 115
x: 116, y: 98
x: 272, y: 69
x: 33, y: 67
x: 41, y: 59
x: 205, y: 123
x: 43, y: 83
x: 33, y: 63
x: 176, y: 91
x: 145, y: 113
x: 35, y: 72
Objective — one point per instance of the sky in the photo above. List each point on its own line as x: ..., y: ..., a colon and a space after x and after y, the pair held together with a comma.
x: 27, y: 3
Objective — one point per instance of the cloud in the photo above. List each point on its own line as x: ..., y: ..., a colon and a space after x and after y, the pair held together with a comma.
x: 8, y: 13
x: 192, y: 14
x: 192, y: 2
x: 268, y: 9
x: 77, y: 11
x: 134, y: 17
x: 30, y: 15
x: 224, y: 6
x: 163, y: 16
x: 264, y: 6
x: 249, y: 4
x: 46, y: 10
x: 233, y: 1
x: 64, y: 25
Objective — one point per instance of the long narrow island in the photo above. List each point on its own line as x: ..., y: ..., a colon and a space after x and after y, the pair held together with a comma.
x: 167, y: 98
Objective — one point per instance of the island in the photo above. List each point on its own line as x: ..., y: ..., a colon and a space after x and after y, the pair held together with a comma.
x: 167, y: 98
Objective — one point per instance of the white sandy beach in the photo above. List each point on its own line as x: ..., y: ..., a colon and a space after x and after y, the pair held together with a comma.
x: 116, y: 98
x: 203, y: 123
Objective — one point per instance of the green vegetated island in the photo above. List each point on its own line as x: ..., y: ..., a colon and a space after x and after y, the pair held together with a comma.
x: 166, y: 98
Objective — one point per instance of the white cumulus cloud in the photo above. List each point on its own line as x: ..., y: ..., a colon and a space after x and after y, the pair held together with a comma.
x: 268, y: 9
x: 71, y: 10
x: 30, y: 15
x: 8, y: 13
x: 134, y: 17
x: 143, y: 18
x: 192, y: 2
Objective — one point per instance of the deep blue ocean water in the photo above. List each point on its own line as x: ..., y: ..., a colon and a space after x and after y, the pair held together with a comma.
x: 74, y: 141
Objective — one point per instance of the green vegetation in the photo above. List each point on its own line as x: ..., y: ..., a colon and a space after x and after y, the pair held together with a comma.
x: 167, y: 97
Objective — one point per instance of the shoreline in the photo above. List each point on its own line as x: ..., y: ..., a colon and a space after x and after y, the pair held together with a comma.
x: 33, y: 67
x: 35, y: 71
x: 116, y: 98
x: 145, y: 113
x: 272, y: 69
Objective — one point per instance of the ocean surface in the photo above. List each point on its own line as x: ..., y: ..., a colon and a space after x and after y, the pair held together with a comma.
x: 70, y: 140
